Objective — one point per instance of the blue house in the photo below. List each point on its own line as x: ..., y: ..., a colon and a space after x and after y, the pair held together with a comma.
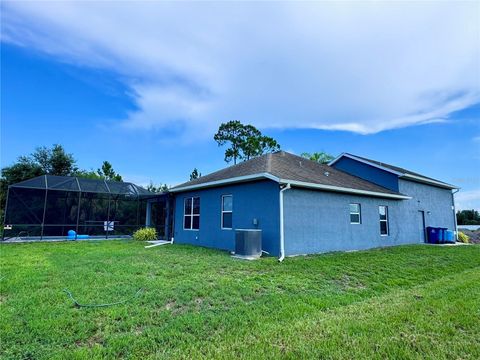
x: 303, y: 207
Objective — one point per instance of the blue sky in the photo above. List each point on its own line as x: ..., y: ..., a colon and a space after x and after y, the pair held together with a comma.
x: 146, y: 85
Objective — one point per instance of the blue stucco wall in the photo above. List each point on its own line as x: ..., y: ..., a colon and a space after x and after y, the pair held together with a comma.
x: 251, y: 200
x: 367, y: 172
x: 317, y: 221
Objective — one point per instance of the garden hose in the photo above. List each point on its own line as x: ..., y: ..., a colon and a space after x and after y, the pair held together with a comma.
x: 77, y: 304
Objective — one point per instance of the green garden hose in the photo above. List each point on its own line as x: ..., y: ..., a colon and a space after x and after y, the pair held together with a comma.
x: 77, y: 304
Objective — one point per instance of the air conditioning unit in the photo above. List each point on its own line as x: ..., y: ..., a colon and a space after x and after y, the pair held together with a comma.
x: 248, y: 243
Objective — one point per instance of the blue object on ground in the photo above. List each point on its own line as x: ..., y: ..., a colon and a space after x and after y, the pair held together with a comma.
x: 449, y: 237
x: 443, y: 235
x: 433, y: 235
x: 71, y: 235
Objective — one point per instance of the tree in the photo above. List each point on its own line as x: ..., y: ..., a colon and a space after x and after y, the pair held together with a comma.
x: 468, y: 217
x: 48, y: 161
x: 195, y: 174
x: 232, y: 132
x: 24, y: 169
x: 157, y: 189
x: 320, y: 157
x: 246, y: 141
x: 107, y: 172
x: 43, y: 161
x: 54, y: 161
x: 88, y: 174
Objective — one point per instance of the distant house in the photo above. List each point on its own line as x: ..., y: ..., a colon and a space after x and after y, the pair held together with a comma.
x: 303, y: 207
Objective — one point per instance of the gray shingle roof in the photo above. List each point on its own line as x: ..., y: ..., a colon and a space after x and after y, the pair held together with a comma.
x: 396, y: 168
x: 286, y: 166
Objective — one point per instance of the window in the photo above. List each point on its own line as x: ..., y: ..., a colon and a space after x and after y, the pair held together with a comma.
x: 355, y: 214
x: 191, y: 213
x: 383, y: 212
x: 227, y: 206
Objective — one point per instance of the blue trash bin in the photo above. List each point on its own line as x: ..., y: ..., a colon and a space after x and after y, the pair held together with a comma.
x: 449, y: 237
x: 432, y: 235
x: 443, y: 235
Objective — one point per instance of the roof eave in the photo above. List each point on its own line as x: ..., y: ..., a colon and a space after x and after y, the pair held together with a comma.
x: 344, y: 190
x: 228, y: 181
x: 429, y: 181
x: 309, y: 185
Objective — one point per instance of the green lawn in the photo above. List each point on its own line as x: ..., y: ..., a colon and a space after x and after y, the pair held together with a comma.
x: 403, y: 302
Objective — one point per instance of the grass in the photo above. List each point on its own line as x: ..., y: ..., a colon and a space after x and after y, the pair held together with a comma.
x: 403, y: 302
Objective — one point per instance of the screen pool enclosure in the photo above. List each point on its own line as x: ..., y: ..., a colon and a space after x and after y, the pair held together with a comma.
x: 49, y: 207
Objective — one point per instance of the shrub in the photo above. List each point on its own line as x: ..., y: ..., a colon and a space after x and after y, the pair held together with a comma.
x: 145, y: 234
x: 463, y: 237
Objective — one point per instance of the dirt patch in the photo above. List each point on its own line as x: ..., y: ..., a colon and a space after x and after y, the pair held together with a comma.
x: 138, y: 330
x: 170, y: 305
x: 349, y: 283
x: 96, y: 339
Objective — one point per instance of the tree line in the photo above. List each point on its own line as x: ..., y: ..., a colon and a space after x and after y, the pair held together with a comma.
x: 243, y: 142
x: 49, y: 161
x: 468, y: 217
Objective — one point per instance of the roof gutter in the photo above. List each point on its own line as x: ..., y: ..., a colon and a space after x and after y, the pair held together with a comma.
x: 428, y: 181
x: 226, y: 182
x: 344, y: 190
x: 264, y: 175
x: 282, y: 225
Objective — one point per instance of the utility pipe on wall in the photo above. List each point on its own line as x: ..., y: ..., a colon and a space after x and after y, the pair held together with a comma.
x: 282, y: 230
x: 455, y: 213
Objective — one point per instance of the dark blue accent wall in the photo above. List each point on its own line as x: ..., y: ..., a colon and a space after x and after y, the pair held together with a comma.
x: 367, y: 172
x: 254, y: 200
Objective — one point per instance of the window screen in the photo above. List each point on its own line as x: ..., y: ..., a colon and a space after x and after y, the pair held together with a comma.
x: 227, y: 211
x: 191, y: 213
x: 355, y: 214
x: 383, y: 213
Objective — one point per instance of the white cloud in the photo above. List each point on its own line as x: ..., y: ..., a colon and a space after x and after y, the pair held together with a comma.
x: 467, y: 200
x: 361, y: 67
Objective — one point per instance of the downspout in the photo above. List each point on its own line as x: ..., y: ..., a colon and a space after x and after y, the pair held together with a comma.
x: 455, y: 213
x: 282, y: 229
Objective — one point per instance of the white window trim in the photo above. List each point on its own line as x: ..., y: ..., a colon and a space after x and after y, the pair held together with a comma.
x: 359, y: 213
x: 385, y: 221
x: 225, y: 212
x: 191, y: 215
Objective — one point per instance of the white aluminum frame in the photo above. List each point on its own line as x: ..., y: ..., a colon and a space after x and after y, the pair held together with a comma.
x: 191, y: 215
x: 359, y: 213
x: 225, y: 212
x: 387, y: 220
